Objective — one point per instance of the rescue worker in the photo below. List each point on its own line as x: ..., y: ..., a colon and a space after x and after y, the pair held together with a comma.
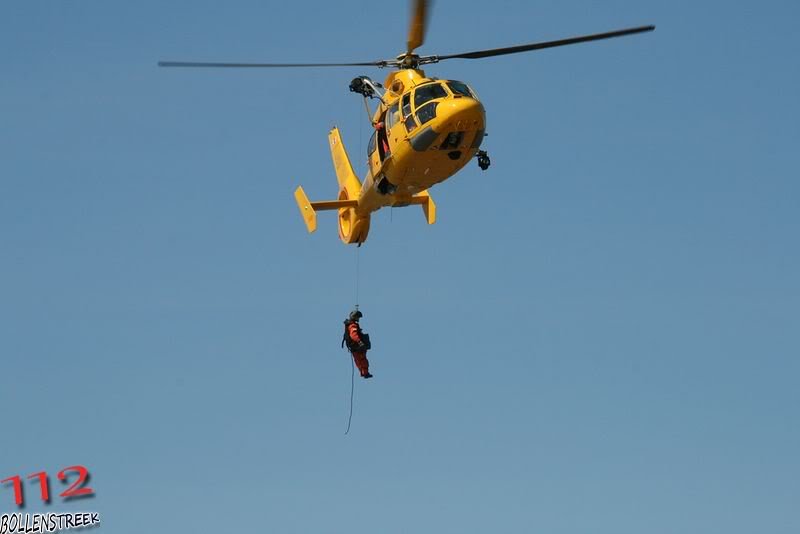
x: 357, y: 342
x: 383, y: 139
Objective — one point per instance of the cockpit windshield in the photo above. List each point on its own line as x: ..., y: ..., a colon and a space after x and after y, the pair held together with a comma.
x: 460, y: 88
x: 428, y: 92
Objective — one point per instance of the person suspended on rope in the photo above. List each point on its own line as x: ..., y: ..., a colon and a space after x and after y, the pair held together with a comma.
x: 357, y: 342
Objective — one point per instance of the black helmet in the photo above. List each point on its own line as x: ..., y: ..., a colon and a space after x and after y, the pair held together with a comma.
x: 356, y: 315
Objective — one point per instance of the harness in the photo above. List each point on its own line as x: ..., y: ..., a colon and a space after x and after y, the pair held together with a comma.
x: 350, y: 343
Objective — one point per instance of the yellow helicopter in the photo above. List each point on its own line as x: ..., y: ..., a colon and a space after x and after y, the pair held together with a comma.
x: 425, y: 130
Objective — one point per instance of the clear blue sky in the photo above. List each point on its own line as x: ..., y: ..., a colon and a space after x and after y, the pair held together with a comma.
x: 599, y: 335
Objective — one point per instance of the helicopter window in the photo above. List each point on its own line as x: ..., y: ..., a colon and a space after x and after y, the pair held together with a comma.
x: 427, y: 112
x: 392, y: 117
x: 460, y: 89
x: 371, y: 144
x: 406, y: 104
x: 426, y: 93
x: 410, y: 123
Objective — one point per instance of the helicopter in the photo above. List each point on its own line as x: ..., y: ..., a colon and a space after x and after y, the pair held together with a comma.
x: 425, y: 129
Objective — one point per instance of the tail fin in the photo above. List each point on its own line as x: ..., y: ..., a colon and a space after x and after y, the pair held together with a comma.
x: 348, y: 181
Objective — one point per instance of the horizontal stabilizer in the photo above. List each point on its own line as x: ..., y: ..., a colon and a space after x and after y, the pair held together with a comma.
x: 428, y: 207
x: 334, y: 204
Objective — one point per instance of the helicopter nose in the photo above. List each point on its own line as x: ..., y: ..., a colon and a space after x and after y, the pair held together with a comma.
x: 463, y: 114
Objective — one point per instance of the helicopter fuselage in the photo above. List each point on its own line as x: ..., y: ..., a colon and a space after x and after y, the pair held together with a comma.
x: 426, y: 130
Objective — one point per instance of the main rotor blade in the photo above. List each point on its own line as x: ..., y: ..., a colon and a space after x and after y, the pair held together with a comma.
x: 268, y: 65
x: 547, y: 44
x: 416, y: 31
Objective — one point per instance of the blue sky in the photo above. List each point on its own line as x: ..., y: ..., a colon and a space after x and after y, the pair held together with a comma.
x: 600, y: 333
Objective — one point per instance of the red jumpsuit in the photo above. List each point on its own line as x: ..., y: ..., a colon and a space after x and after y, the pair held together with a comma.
x: 359, y: 356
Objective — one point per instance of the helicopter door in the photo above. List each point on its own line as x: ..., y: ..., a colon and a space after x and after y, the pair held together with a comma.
x: 393, y: 119
x: 382, y: 129
x: 371, y: 145
x: 374, y: 156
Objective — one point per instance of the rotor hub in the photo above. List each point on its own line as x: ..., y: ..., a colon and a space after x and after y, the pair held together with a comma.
x: 407, y: 61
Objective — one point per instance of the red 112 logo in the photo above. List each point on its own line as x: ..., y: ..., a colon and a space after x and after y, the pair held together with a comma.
x: 77, y: 489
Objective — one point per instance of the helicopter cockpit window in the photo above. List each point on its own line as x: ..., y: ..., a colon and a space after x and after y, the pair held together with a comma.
x: 410, y: 123
x: 406, y: 104
x: 426, y: 93
x: 371, y: 144
x: 392, y: 116
x: 427, y: 112
x: 460, y: 88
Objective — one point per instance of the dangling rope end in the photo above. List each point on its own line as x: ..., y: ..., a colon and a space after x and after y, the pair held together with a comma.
x: 352, y: 388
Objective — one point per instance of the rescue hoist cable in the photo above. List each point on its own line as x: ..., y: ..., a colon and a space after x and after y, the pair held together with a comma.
x: 352, y: 360
x: 358, y: 261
